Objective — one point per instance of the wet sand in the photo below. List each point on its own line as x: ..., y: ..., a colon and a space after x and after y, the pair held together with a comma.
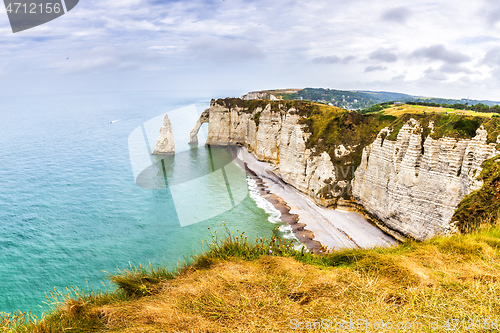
x: 312, y: 224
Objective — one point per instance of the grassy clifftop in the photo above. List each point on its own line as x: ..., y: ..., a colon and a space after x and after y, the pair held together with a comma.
x: 269, y: 286
x: 332, y: 126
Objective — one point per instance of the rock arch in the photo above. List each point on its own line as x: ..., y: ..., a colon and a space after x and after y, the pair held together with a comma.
x: 193, y: 135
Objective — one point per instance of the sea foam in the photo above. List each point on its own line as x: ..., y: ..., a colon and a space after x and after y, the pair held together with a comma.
x: 274, y: 214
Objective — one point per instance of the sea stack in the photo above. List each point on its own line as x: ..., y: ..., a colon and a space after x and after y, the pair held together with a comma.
x: 165, y: 144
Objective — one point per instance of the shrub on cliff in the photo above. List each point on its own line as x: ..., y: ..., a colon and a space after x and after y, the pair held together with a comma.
x: 483, y: 205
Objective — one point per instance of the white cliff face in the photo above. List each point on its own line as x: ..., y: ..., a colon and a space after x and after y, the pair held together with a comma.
x: 227, y: 126
x: 266, y: 145
x: 412, y: 187
x: 293, y: 156
x: 413, y: 190
x: 276, y: 137
x: 165, y: 144
x: 258, y: 95
x: 298, y: 166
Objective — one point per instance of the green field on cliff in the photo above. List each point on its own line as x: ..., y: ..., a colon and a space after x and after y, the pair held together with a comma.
x: 269, y: 286
x: 397, y: 110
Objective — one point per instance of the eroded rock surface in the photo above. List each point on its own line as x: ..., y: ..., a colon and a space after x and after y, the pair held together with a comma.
x: 165, y: 144
x: 414, y: 184
x: 273, y: 136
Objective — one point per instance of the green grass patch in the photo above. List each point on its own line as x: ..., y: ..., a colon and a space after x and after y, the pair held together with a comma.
x: 139, y: 281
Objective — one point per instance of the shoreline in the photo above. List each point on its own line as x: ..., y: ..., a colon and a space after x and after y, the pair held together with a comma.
x: 314, y: 226
x: 306, y: 237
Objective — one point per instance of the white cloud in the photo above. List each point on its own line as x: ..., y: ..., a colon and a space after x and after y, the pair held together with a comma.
x: 454, y: 68
x: 440, y: 52
x: 329, y: 43
x: 491, y: 11
x: 333, y: 59
x: 222, y: 50
x: 384, y: 55
x: 434, y: 74
x: 492, y: 57
x: 101, y: 59
x: 398, y: 15
x: 375, y: 68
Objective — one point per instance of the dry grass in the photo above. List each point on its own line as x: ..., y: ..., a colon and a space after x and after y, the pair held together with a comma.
x: 441, y: 279
x: 265, y: 294
x: 327, y: 110
x: 400, y: 110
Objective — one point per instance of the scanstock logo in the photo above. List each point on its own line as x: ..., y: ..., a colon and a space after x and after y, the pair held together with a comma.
x: 26, y: 14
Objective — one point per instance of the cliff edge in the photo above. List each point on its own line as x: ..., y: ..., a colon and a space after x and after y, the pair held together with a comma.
x: 409, y: 172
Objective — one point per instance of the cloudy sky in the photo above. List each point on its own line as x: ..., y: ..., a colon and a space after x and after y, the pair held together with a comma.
x: 442, y: 48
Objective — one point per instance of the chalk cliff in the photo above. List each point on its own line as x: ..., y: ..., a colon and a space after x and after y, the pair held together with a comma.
x: 165, y: 144
x: 259, y: 95
x: 412, y: 184
x: 272, y: 134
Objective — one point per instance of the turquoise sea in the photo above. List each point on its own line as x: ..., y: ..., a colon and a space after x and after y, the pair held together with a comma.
x: 70, y: 208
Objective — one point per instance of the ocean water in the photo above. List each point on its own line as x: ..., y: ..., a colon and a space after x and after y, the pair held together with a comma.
x: 71, y: 208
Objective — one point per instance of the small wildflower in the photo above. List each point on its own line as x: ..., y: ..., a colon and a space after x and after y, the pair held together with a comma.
x: 270, y: 251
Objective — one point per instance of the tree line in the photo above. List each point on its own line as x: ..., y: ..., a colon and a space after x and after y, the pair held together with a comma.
x: 479, y: 107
